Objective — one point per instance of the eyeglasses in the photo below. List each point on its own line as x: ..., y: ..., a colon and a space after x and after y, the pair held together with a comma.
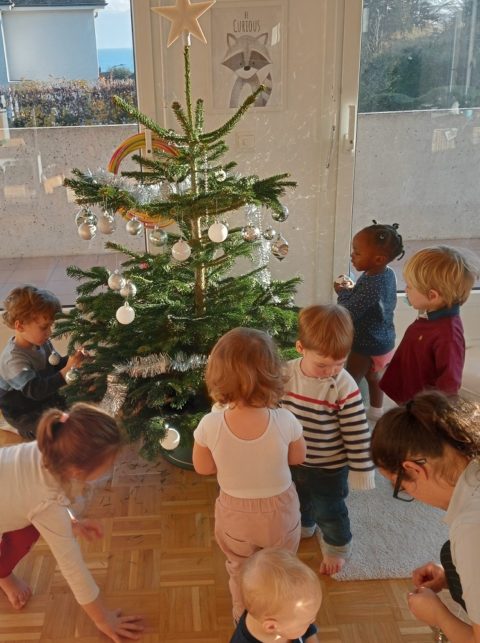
x: 398, y: 492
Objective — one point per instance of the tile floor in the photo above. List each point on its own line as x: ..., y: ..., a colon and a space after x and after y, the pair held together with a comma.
x: 50, y: 272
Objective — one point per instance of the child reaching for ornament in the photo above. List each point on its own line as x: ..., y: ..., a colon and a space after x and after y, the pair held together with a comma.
x: 249, y: 444
x: 371, y: 302
x: 31, y: 371
x: 77, y: 446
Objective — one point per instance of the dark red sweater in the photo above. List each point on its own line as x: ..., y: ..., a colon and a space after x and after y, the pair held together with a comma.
x: 430, y: 356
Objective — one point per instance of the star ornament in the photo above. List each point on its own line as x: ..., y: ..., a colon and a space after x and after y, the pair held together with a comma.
x: 184, y: 18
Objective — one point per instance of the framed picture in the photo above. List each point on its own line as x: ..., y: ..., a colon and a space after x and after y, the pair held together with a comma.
x: 248, y: 44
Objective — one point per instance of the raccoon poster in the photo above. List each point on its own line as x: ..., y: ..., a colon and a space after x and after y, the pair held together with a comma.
x: 247, y: 51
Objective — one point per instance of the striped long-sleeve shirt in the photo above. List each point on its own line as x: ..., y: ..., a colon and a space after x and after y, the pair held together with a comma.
x: 334, y: 423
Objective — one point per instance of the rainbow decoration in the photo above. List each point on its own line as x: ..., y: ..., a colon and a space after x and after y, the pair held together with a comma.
x: 132, y: 144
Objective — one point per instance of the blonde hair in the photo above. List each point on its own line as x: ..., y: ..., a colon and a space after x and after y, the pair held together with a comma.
x: 83, y: 438
x: 449, y: 271
x: 273, y: 577
x: 27, y: 302
x: 244, y: 365
x: 327, y: 329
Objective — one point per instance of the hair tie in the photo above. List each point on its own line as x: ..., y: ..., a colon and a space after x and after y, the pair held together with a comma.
x: 409, y: 405
x: 64, y: 417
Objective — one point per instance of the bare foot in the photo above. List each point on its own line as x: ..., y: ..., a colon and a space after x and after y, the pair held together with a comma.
x: 17, y: 591
x: 331, y: 564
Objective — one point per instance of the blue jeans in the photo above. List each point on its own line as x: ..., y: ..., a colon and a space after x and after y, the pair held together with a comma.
x: 322, y: 494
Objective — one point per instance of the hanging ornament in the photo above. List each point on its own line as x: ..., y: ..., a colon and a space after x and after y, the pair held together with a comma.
x: 54, y: 358
x: 129, y: 289
x: 116, y: 281
x: 280, y: 248
x: 85, y: 215
x: 181, y: 250
x: 157, y: 237
x: 250, y: 233
x: 217, y: 232
x: 72, y: 375
x: 184, y: 18
x: 106, y: 223
x: 134, y: 227
x: 87, y: 230
x: 125, y: 314
x: 269, y: 234
x: 220, y: 175
x: 171, y: 439
x: 281, y: 216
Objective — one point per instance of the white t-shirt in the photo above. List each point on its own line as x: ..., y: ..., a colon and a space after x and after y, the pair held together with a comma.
x: 31, y: 495
x: 463, y: 519
x: 251, y: 468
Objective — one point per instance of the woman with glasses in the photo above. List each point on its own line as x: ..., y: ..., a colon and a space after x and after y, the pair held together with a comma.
x: 429, y: 449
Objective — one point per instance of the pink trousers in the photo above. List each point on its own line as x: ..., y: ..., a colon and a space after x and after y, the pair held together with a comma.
x: 245, y: 525
x: 14, y: 545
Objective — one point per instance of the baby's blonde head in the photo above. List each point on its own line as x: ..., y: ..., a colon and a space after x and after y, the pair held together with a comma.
x: 449, y: 271
x: 272, y: 578
x: 244, y: 366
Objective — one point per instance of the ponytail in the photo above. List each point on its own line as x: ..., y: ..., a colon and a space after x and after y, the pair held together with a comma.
x: 84, y: 438
x: 424, y: 427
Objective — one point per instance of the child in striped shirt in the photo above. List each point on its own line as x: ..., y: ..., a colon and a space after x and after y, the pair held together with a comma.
x: 326, y: 400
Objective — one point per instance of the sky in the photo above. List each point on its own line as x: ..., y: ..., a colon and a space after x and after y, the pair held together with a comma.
x: 114, y: 25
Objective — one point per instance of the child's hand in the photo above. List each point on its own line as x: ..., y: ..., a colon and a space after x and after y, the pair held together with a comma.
x: 343, y: 282
x: 115, y: 626
x: 88, y: 529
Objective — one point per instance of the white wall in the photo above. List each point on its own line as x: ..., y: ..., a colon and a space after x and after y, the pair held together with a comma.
x: 47, y: 45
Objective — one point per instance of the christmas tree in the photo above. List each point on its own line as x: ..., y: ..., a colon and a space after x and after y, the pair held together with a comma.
x: 149, y: 327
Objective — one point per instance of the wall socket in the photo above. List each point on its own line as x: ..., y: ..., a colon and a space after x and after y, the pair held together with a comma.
x: 245, y: 141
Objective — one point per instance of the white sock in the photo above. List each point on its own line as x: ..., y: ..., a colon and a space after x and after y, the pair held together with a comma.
x: 375, y: 412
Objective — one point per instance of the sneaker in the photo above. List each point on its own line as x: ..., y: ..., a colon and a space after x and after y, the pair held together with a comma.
x: 307, y: 532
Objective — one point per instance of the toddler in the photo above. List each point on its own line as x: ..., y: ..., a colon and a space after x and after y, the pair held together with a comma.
x: 371, y: 302
x: 249, y: 445
x: 80, y: 445
x: 31, y: 372
x: 282, y: 597
x: 327, y: 401
x: 431, y: 355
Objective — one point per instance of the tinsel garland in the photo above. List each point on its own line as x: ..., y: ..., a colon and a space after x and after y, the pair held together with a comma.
x: 158, y: 364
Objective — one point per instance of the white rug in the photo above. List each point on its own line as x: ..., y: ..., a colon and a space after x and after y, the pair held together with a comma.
x: 390, y: 537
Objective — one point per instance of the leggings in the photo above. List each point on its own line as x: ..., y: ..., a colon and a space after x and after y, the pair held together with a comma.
x: 14, y: 545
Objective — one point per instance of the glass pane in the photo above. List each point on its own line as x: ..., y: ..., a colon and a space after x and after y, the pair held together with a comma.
x: 60, y: 66
x: 418, y: 129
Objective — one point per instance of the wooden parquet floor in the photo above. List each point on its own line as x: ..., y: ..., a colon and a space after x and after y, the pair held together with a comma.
x: 158, y: 558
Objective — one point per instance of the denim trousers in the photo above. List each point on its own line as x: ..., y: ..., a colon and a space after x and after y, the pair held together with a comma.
x: 322, y: 494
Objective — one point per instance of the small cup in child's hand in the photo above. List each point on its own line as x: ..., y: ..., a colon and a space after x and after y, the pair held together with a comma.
x: 344, y: 281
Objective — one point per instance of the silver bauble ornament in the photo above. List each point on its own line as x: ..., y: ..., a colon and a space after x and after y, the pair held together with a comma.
x: 217, y: 232
x: 220, y: 175
x: 134, y: 227
x: 250, y: 233
x: 181, y: 250
x: 129, y: 289
x: 125, y: 314
x: 85, y: 215
x: 72, y: 375
x: 280, y: 248
x: 171, y: 439
x: 87, y: 230
x: 116, y: 281
x: 157, y: 237
x: 106, y: 223
x: 269, y: 234
x: 281, y: 216
x: 54, y: 358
